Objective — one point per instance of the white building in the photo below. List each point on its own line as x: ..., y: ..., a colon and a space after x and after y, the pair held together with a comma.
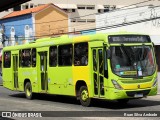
x: 138, y: 19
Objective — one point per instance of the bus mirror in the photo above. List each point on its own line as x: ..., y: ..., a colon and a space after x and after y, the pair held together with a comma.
x: 108, y: 54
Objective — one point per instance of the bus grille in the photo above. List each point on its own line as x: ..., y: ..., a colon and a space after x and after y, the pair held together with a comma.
x: 132, y: 93
x: 136, y: 81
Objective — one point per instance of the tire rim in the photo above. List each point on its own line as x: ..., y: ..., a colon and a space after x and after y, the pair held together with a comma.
x: 28, y: 91
x: 84, y: 95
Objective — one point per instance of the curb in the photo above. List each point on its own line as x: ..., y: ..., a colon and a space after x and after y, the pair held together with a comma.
x: 1, y: 84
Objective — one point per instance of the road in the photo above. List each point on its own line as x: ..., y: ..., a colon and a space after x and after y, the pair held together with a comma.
x: 16, y: 101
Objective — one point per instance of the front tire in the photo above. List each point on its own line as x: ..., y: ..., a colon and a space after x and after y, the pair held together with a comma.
x: 84, y: 96
x: 28, y: 91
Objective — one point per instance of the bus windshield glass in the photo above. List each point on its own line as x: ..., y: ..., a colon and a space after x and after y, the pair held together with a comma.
x: 132, y: 61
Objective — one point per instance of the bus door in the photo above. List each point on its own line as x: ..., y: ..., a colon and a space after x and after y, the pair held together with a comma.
x: 43, y: 71
x: 15, y: 71
x: 98, y: 72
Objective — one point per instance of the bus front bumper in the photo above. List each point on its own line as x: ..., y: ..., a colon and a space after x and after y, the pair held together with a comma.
x: 114, y: 94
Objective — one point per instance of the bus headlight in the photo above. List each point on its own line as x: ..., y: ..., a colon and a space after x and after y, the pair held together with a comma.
x: 155, y: 82
x: 116, y: 85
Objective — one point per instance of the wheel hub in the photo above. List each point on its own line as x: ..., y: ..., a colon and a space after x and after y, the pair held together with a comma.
x: 84, y: 95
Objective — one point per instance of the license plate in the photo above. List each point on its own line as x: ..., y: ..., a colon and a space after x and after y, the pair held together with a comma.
x: 138, y: 95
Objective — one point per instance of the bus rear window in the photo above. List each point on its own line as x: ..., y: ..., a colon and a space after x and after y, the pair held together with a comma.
x: 7, y: 59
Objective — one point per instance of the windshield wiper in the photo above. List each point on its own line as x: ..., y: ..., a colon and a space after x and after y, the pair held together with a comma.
x: 128, y: 54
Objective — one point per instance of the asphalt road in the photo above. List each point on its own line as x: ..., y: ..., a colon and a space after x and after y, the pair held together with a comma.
x: 16, y: 101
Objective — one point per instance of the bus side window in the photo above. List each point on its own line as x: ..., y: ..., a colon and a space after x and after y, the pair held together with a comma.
x: 33, y: 57
x: 20, y: 58
x: 65, y: 55
x: 81, y: 54
x: 26, y: 58
x: 53, y: 56
x: 7, y: 59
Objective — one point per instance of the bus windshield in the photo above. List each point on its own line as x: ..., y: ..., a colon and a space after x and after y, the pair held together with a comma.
x: 132, y: 61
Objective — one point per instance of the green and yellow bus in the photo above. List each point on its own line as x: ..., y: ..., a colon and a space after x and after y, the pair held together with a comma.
x: 115, y: 66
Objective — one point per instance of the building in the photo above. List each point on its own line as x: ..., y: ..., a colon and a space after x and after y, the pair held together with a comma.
x: 22, y: 26
x: 82, y: 11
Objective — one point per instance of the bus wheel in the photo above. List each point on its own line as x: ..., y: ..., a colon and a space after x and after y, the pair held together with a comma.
x: 123, y: 101
x: 28, y: 90
x: 84, y: 96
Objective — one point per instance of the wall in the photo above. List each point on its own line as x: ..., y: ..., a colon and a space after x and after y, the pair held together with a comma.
x: 46, y: 27
x: 18, y: 23
x: 117, y: 21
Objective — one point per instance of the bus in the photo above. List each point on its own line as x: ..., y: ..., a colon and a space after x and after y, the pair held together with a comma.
x: 109, y: 66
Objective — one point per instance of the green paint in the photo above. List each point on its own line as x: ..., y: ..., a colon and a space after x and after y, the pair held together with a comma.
x: 61, y: 79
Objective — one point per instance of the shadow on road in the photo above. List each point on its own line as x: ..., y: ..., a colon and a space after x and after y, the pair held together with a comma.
x: 95, y: 103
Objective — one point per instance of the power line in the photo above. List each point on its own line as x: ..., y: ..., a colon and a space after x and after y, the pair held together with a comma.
x: 144, y: 11
x: 108, y: 27
x: 85, y: 15
x: 113, y: 17
x: 63, y: 27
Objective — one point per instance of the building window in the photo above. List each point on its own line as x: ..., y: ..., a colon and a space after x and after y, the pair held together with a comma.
x: 81, y: 20
x: 73, y: 10
x: 106, y: 10
x: 53, y: 56
x: 26, y: 6
x: 33, y: 57
x: 69, y: 10
x: 91, y: 20
x: 7, y: 59
x: 73, y: 20
x: 81, y: 6
x: 65, y: 55
x: 17, y: 8
x: 65, y: 10
x: 81, y: 54
x: 31, y: 5
x: 100, y: 10
x: 106, y: 6
x: 90, y: 7
x: 112, y: 7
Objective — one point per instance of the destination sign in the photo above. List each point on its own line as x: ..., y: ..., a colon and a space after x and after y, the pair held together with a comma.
x: 129, y: 39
